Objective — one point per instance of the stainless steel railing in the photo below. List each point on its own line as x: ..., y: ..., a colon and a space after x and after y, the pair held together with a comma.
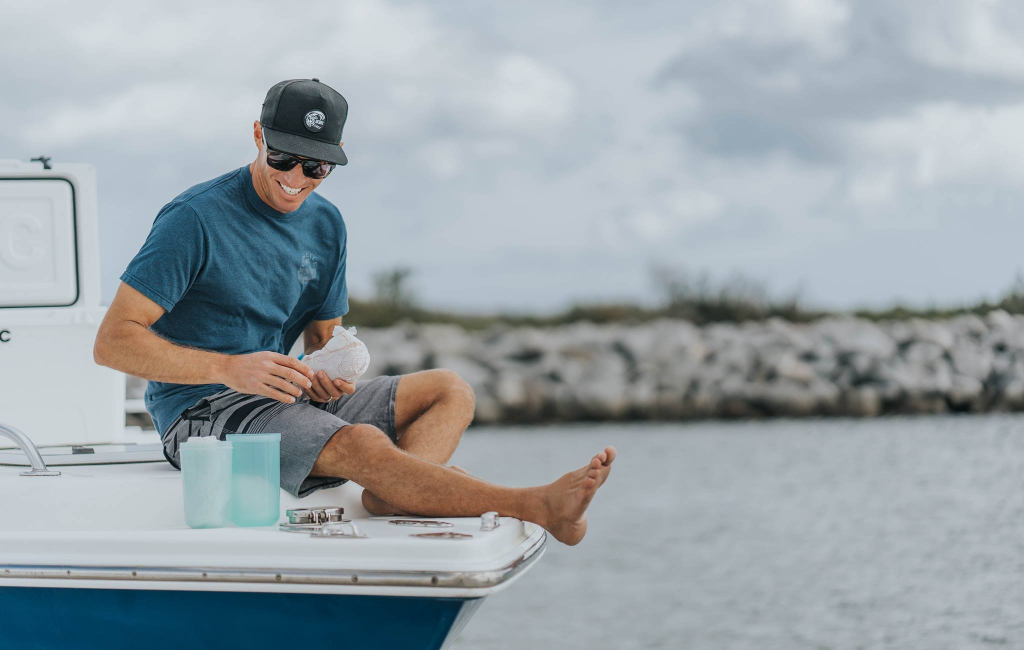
x: 29, y: 448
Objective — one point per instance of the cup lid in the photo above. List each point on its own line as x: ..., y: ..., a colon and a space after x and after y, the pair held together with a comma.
x: 253, y: 437
x: 201, y: 442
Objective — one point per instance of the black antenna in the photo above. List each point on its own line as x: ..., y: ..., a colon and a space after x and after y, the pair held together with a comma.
x: 43, y: 159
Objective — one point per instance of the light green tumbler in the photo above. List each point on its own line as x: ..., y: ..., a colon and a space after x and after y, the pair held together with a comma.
x: 255, y: 478
x: 206, y: 481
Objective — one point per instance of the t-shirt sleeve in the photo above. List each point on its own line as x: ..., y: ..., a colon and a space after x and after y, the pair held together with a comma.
x: 336, y: 302
x: 171, y: 258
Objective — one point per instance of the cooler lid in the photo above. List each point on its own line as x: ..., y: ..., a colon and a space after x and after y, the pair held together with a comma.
x: 38, y: 255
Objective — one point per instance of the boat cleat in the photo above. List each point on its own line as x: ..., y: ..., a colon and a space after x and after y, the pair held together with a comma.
x: 311, y: 520
x: 489, y: 521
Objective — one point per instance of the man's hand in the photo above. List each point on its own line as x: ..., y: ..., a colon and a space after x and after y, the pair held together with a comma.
x: 325, y: 390
x: 268, y: 373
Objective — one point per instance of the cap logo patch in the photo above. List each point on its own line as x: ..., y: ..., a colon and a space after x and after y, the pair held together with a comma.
x: 315, y: 120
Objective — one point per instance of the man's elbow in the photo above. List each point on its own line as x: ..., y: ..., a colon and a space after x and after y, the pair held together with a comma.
x: 100, y: 348
x: 105, y: 346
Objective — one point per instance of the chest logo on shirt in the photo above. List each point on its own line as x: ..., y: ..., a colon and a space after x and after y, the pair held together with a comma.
x: 315, y: 120
x: 307, y: 270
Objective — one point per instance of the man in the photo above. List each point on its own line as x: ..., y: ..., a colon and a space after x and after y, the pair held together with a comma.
x: 232, y: 271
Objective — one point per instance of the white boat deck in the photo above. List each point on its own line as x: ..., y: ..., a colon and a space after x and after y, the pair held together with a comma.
x: 103, y: 523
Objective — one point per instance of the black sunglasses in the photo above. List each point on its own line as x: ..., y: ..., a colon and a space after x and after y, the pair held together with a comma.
x: 310, y: 168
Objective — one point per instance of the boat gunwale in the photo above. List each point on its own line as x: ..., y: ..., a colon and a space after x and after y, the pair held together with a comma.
x: 351, y: 578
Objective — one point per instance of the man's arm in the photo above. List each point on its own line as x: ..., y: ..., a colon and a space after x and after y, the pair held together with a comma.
x: 125, y: 342
x: 315, y: 336
x: 318, y: 333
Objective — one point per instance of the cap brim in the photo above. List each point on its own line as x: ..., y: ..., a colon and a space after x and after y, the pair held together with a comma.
x: 297, y: 145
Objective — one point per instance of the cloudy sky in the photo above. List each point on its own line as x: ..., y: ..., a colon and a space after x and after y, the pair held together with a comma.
x: 526, y: 155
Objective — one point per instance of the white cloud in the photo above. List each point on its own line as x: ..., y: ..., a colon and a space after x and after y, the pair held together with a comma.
x: 872, y: 186
x: 143, y: 116
x: 443, y: 159
x: 523, y: 94
x: 694, y: 205
x: 945, y: 143
x: 975, y: 36
x: 816, y: 24
x: 422, y: 73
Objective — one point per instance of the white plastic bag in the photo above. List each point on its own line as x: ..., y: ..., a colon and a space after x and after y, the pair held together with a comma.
x: 344, y: 357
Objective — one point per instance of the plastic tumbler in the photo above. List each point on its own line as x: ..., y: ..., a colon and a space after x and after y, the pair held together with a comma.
x: 206, y: 482
x: 255, y: 478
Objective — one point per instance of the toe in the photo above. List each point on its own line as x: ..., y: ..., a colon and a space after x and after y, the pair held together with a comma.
x: 610, y: 453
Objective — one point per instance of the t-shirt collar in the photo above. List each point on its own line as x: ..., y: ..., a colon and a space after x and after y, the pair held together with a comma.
x: 257, y: 203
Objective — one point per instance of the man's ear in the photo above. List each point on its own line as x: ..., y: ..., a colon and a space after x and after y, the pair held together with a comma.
x: 257, y: 133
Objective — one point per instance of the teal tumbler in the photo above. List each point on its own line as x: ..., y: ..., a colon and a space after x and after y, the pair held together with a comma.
x: 255, y: 478
x: 206, y: 482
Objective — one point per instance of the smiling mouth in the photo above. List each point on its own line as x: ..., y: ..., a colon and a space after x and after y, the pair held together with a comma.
x: 290, y: 191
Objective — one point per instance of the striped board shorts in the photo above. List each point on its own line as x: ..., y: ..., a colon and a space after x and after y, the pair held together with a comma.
x: 305, y: 426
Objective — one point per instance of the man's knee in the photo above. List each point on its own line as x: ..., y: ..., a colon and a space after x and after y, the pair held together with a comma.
x: 360, y: 438
x: 351, y: 446
x: 455, y: 387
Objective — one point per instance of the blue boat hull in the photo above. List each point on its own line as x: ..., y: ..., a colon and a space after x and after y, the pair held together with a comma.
x: 43, y: 618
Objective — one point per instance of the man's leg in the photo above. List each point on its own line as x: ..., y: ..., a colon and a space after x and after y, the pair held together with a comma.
x: 367, y: 456
x: 432, y: 410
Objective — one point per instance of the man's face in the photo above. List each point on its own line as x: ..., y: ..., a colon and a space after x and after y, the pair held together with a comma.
x: 275, y: 187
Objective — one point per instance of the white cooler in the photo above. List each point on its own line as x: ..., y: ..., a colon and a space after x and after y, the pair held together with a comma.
x: 50, y: 387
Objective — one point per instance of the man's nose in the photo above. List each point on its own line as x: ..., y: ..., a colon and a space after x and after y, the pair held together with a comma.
x: 295, y: 177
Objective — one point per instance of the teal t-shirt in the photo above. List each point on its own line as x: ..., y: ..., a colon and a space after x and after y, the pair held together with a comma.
x: 237, y: 276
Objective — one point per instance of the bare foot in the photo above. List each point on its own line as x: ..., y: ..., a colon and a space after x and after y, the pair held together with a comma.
x: 567, y: 498
x: 378, y: 506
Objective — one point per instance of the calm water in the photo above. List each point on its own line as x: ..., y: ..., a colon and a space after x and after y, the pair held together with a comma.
x: 891, y: 533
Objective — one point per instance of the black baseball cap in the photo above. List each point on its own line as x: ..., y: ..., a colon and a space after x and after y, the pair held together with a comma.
x: 304, y: 117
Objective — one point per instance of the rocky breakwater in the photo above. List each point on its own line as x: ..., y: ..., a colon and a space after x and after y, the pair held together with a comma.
x: 669, y: 369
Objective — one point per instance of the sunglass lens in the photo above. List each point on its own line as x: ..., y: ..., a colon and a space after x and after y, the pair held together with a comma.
x: 317, y: 170
x: 281, y: 161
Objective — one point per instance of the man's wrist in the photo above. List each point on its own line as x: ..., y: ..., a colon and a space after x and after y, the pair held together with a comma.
x: 217, y: 368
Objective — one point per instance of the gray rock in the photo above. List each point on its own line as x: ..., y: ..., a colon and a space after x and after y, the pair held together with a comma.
x: 1011, y: 395
x: 966, y: 393
x: 972, y: 359
x: 444, y: 340
x: 926, y: 331
x: 510, y: 390
x: 790, y: 368
x: 785, y: 397
x: 923, y: 353
x: 999, y: 320
x: 862, y: 401
x: 856, y: 335
x: 475, y: 374
x: 488, y: 410
x: 968, y: 326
